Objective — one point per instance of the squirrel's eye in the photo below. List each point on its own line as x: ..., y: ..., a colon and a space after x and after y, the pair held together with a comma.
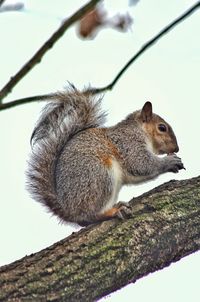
x: 162, y: 127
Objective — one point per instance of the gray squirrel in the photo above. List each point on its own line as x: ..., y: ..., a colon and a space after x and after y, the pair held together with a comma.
x: 78, y: 167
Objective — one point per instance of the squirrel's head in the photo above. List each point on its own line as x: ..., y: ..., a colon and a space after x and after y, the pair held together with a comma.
x: 159, y: 133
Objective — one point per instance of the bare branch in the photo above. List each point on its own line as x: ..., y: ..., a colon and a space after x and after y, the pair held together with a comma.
x: 11, y: 7
x: 147, y: 45
x: 132, y: 60
x: 1, y: 2
x: 45, y: 47
x: 26, y: 100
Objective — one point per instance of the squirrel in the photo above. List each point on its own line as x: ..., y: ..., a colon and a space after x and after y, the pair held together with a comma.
x: 78, y: 166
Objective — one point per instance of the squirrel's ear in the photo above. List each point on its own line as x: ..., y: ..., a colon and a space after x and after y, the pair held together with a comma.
x: 146, y: 112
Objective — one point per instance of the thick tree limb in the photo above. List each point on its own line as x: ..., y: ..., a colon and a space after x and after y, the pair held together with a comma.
x: 146, y: 46
x: 102, y: 258
x: 45, y: 47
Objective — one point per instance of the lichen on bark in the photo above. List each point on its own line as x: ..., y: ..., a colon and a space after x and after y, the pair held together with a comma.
x: 97, y: 260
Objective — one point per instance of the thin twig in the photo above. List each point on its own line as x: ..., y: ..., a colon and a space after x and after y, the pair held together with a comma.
x: 45, y: 47
x: 30, y: 99
x: 146, y: 46
x: 11, y: 7
x: 111, y: 85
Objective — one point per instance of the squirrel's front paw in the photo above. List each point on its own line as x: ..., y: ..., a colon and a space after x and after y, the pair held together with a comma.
x: 173, y: 163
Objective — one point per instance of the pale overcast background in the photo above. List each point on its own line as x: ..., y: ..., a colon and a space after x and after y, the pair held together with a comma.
x: 168, y: 75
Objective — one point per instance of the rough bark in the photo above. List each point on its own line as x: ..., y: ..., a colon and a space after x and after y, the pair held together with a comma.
x: 99, y: 259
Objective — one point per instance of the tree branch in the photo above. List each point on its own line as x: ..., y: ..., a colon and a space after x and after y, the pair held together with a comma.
x: 99, y: 259
x: 146, y: 46
x: 45, y: 47
x: 30, y: 99
x: 11, y: 7
x: 1, y: 2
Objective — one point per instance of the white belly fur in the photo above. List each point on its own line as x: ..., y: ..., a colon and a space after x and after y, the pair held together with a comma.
x: 116, y: 175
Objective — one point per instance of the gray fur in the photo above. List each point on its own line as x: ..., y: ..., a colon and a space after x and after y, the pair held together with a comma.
x: 75, y: 163
x: 140, y: 164
x: 50, y: 136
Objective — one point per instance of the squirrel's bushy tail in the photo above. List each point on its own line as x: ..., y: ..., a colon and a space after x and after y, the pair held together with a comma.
x: 70, y: 112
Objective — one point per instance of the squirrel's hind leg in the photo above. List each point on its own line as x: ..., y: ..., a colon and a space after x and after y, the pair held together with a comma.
x: 121, y: 210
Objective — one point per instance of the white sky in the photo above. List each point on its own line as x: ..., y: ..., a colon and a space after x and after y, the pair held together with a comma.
x: 167, y: 75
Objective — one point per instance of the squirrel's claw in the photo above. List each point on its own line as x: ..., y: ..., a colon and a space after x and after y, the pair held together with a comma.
x: 124, y: 210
